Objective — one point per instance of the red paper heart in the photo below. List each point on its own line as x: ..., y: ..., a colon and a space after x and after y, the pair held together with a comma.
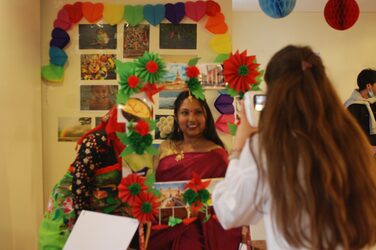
x: 216, y: 24
x: 63, y: 21
x: 92, y: 12
x: 74, y: 11
x: 212, y: 8
x: 195, y: 10
x: 222, y: 122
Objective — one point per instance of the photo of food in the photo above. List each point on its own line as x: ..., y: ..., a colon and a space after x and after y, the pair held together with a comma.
x: 98, y: 67
x: 164, y: 126
x: 136, y: 40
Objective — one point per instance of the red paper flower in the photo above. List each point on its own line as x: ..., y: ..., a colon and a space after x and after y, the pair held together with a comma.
x: 196, y: 184
x: 133, y: 81
x: 240, y: 71
x: 145, y: 208
x: 131, y: 187
x: 192, y: 71
x: 197, y: 206
x: 151, y: 66
x: 142, y: 128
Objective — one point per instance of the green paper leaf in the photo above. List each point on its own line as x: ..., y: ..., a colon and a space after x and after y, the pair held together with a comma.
x: 151, y: 150
x: 231, y: 92
x: 207, y: 217
x: 193, y: 61
x: 232, y: 127
x: 152, y: 124
x: 221, y: 58
x: 127, y: 151
x: 172, y: 221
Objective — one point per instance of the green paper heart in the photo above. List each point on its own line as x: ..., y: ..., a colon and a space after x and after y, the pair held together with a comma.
x: 134, y: 14
x: 53, y: 73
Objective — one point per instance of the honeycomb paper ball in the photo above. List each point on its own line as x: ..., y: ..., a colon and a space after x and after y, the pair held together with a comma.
x: 277, y: 8
x: 341, y: 14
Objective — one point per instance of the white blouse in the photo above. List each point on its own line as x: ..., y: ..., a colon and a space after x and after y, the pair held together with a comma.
x: 238, y: 201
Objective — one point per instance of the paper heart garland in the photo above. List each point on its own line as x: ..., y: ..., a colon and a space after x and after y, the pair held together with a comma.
x: 113, y: 13
x: 60, y: 38
x: 212, y: 8
x: 175, y: 12
x: 92, y: 12
x: 221, y: 44
x: 216, y: 24
x: 57, y: 56
x: 222, y: 122
x: 52, y: 73
x: 74, y: 11
x: 195, y: 10
x: 134, y: 14
x: 63, y: 21
x: 154, y: 14
x: 224, y: 104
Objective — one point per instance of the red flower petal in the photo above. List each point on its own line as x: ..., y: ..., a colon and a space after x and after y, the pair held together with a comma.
x: 133, y: 81
x: 151, y: 67
x: 142, y: 128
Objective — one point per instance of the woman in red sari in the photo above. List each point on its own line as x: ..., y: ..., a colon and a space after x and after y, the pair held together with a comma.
x: 194, y: 146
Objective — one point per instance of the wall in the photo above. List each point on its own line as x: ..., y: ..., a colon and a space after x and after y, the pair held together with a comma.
x: 61, y: 100
x: 345, y: 53
x: 20, y: 148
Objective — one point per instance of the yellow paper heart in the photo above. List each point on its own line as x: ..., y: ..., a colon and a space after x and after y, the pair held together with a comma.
x: 113, y: 13
x: 221, y: 44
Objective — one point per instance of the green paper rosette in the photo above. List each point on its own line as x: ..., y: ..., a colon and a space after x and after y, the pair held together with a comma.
x: 129, y: 82
x: 150, y: 67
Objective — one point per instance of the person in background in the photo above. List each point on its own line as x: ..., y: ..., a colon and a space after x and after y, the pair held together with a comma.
x: 90, y: 183
x: 362, y: 103
x: 194, y: 146
x: 307, y: 170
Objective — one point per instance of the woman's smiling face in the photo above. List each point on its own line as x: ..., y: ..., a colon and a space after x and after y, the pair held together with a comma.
x: 191, y: 118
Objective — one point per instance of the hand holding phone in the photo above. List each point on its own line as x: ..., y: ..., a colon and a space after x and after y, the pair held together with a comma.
x: 253, y: 104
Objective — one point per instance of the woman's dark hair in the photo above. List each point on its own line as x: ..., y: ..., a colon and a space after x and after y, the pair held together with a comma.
x: 210, y: 133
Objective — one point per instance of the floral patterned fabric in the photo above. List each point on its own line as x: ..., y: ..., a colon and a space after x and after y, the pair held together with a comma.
x: 90, y: 183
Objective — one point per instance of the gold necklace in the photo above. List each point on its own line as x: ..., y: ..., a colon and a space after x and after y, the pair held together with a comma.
x: 179, y: 153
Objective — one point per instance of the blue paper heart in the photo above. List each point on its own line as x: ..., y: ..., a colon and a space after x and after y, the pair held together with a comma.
x: 60, y: 38
x: 154, y: 14
x: 57, y: 56
x: 175, y: 12
x: 224, y: 104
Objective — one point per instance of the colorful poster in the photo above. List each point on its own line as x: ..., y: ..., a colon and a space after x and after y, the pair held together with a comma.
x: 98, y: 67
x: 136, y: 40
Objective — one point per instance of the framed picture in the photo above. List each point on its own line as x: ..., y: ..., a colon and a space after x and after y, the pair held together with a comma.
x: 177, y: 36
x: 98, y: 67
x: 97, y: 97
x: 211, y: 75
x: 166, y: 100
x: 175, y: 77
x: 97, y: 36
x: 164, y: 126
x: 172, y: 192
x: 72, y: 128
x: 136, y: 40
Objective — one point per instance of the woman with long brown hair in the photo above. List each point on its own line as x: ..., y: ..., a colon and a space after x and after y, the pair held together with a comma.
x: 308, y: 169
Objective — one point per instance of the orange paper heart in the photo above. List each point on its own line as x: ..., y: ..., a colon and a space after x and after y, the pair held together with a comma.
x: 92, y: 12
x: 216, y: 24
x: 74, y: 11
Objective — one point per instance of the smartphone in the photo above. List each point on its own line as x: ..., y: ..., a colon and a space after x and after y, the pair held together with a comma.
x: 253, y: 104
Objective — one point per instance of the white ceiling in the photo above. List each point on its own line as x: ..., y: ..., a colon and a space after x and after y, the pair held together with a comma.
x: 301, y: 5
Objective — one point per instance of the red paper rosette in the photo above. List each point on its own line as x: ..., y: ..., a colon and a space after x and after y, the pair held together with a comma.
x: 146, y: 207
x: 131, y: 187
x: 240, y: 71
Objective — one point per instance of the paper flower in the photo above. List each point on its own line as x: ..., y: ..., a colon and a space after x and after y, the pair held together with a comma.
x: 196, y: 194
x: 146, y: 207
x: 192, y: 71
x: 131, y: 187
x: 241, y: 72
x: 150, y: 67
x: 193, y: 83
x: 196, y: 183
x: 137, y: 140
x: 129, y: 82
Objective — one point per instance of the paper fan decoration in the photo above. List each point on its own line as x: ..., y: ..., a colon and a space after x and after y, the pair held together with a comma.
x: 150, y: 67
x: 242, y: 73
x: 129, y: 82
x: 146, y: 207
x: 341, y: 14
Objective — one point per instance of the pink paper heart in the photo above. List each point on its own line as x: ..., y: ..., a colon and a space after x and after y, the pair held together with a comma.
x: 195, y: 10
x: 92, y: 12
x: 62, y: 21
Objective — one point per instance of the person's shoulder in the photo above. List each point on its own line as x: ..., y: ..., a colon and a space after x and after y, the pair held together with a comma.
x: 166, y: 149
x: 211, y: 146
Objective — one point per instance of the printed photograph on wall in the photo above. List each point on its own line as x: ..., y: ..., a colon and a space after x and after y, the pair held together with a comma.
x: 211, y: 75
x: 97, y: 97
x: 175, y: 77
x: 166, y: 99
x: 72, y: 128
x: 136, y: 40
x: 164, y: 126
x: 98, y: 67
x: 177, y: 36
x: 97, y: 36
